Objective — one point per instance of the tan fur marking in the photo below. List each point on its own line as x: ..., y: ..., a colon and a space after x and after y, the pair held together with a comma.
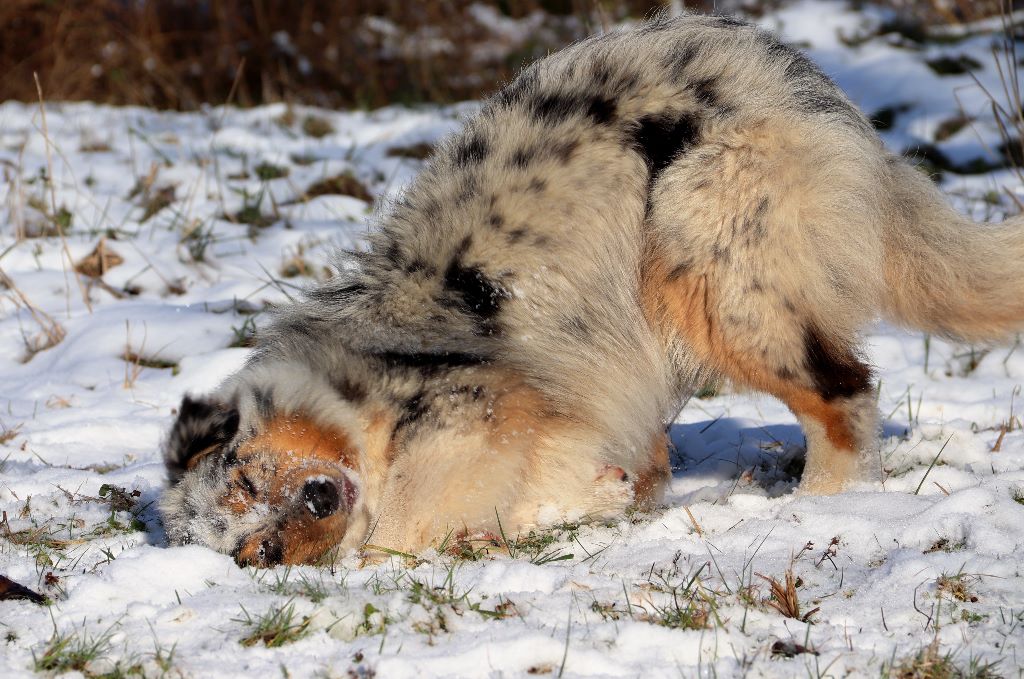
x: 248, y: 553
x: 301, y: 435
x: 519, y: 410
x: 380, y: 448
x: 309, y: 541
x: 807, y: 403
x: 523, y: 420
x: 650, y: 480
x: 686, y: 306
x: 194, y: 460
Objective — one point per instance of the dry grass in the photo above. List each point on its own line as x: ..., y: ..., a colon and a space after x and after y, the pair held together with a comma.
x: 367, y: 53
x: 50, y: 333
x: 152, y: 197
x: 930, y: 12
x: 1006, y: 102
x: 930, y: 662
x: 419, y: 151
x: 956, y: 586
x: 784, y: 597
x: 8, y: 434
x: 135, y: 361
x: 99, y: 261
x: 1010, y: 424
x: 320, y: 52
x: 339, y: 185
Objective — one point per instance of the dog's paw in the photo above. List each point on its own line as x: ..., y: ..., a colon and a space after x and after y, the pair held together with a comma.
x: 612, y: 474
x: 613, y: 490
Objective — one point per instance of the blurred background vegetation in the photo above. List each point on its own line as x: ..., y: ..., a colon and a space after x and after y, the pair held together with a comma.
x: 180, y: 54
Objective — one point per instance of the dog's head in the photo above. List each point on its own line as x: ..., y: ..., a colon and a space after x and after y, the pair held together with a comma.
x: 265, y: 485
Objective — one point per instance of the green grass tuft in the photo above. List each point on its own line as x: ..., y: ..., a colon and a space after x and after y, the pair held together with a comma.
x: 72, y: 651
x: 275, y: 628
x: 268, y: 171
x: 317, y: 127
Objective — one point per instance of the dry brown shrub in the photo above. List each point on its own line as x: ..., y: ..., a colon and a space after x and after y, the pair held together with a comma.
x: 181, y: 53
x: 931, y: 12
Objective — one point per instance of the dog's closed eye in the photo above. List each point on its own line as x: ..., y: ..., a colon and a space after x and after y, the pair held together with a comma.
x: 247, y: 485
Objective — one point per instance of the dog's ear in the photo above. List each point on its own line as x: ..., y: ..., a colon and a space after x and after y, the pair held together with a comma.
x: 203, y: 427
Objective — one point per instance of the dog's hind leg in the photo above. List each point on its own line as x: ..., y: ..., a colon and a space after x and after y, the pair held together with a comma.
x: 764, y: 259
x: 825, y: 384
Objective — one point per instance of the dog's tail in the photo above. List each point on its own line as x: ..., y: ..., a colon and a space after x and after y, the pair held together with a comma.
x: 944, y: 273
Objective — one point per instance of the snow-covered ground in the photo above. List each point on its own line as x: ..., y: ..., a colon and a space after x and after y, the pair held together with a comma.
x: 204, y: 219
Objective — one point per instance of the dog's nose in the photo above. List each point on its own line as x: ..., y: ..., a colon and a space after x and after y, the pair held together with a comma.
x: 321, y: 497
x: 270, y: 553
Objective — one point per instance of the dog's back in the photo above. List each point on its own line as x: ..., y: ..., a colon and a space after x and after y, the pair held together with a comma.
x: 632, y: 215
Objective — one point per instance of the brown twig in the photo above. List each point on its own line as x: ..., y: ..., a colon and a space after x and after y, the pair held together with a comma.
x: 53, y: 202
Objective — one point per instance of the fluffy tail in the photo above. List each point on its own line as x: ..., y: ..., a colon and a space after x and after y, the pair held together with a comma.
x: 946, y: 274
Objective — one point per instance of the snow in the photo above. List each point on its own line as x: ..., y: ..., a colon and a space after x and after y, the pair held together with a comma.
x: 77, y: 416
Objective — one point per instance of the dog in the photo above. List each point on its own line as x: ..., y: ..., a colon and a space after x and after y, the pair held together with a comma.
x: 630, y: 217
